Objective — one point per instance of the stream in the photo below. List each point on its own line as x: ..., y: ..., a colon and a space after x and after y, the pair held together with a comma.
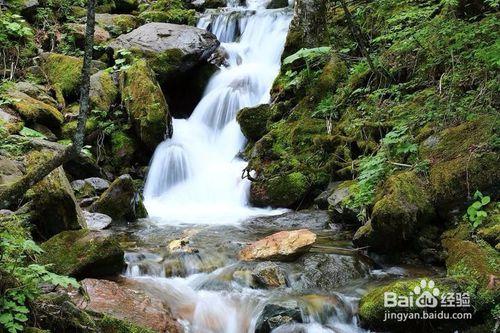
x: 199, y: 217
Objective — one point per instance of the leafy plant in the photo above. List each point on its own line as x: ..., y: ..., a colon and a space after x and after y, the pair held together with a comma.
x: 475, y: 212
x: 307, y: 54
x: 123, y: 59
x: 21, y: 276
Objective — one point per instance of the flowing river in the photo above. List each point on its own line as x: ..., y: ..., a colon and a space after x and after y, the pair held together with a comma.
x: 194, y: 193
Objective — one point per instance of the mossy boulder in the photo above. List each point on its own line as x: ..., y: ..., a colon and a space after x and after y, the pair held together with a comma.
x: 10, y: 122
x: 123, y: 148
x: 176, y: 16
x: 68, y: 129
x: 253, y: 121
x: 146, y: 104
x: 120, y: 200
x: 477, y: 264
x: 280, y: 191
x: 64, y: 73
x: 372, y: 311
x: 103, y: 90
x: 404, y: 207
x: 117, y: 24
x: 36, y: 91
x: 463, y: 159
x: 33, y: 110
x: 83, y: 253
x: 339, y: 210
x: 54, y: 204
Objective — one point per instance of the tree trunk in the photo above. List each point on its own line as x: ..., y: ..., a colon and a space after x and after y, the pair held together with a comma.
x: 14, y: 193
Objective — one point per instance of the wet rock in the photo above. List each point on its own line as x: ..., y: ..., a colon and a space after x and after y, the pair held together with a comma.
x: 54, y: 205
x: 146, y: 104
x: 303, y: 219
x: 278, y: 314
x: 120, y: 200
x: 279, y: 191
x: 244, y: 277
x: 90, y: 186
x: 169, y: 48
x: 269, y: 275
x: 273, y: 4
x: 283, y: 245
x: 253, y: 121
x: 117, y: 24
x: 121, y: 302
x: 97, y: 221
x: 83, y: 253
x: 329, y: 271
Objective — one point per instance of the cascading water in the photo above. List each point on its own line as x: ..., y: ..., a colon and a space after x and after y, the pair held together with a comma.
x: 195, y: 176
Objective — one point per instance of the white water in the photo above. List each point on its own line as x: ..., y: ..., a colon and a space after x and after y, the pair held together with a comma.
x: 195, y: 176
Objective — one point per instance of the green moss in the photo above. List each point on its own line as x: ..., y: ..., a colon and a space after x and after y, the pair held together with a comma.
x: 118, y: 24
x: 64, y: 74
x: 68, y: 129
x: 253, y: 121
x: 145, y: 103
x: 401, y: 210
x: 103, y: 91
x: 112, y: 325
x: 123, y: 148
x: 175, y: 16
x: 34, y: 110
x: 83, y: 253
x: 281, y: 191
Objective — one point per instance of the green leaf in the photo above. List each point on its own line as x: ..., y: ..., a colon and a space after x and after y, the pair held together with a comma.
x: 477, y: 205
x: 485, y: 200
x: 307, y: 54
x: 482, y: 214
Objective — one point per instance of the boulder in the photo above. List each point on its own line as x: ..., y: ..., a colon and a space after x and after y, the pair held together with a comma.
x: 338, y: 208
x: 277, y: 314
x: 29, y: 8
x: 120, y: 200
x: 461, y: 162
x: 310, y: 219
x: 10, y: 171
x: 33, y: 110
x: 176, y: 16
x: 273, y: 4
x: 146, y: 104
x: 279, y: 191
x: 283, y: 245
x: 77, y: 31
x: 83, y: 253
x: 54, y: 204
x: 269, y: 275
x: 308, y: 26
x: 169, y: 48
x: 121, y: 302
x: 97, y: 221
x: 253, y: 121
x: 103, y: 90
x: 123, y: 148
x: 63, y: 73
x: 403, y: 209
x: 325, y: 271
x: 10, y: 122
x: 36, y: 91
x: 117, y: 24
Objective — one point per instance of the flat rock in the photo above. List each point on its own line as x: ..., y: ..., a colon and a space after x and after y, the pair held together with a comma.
x: 97, y: 221
x: 110, y: 298
x: 283, y: 245
x: 310, y: 219
x: 269, y: 275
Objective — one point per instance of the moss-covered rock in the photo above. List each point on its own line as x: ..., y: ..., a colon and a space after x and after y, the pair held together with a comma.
x: 123, y: 148
x: 64, y: 74
x: 120, y: 200
x: 176, y: 16
x: 372, y: 311
x: 402, y: 210
x: 477, y: 263
x: 117, y: 24
x: 146, y: 104
x: 280, y: 191
x: 83, y: 253
x: 103, y: 90
x: 462, y: 161
x: 10, y: 122
x: 33, y: 110
x: 54, y: 203
x: 253, y: 121
x: 10, y: 170
x: 68, y: 129
x: 77, y: 32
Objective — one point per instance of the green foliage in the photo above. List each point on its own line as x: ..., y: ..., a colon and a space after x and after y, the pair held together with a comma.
x: 123, y: 59
x: 308, y: 55
x: 475, y: 212
x: 21, y: 276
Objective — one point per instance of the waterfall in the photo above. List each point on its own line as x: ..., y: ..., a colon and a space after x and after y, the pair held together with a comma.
x: 195, y: 176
